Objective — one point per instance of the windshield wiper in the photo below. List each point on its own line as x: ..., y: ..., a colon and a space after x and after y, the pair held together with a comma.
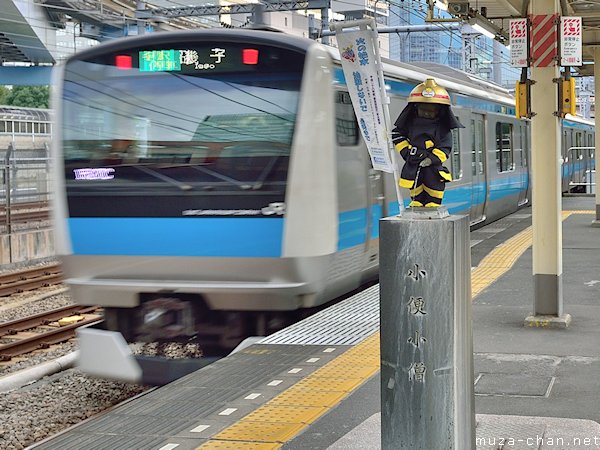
x: 258, y: 184
x: 160, y: 176
x: 220, y: 176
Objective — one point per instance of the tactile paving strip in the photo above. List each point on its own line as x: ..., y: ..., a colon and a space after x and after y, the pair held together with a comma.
x: 503, y: 257
x: 345, y: 323
x: 318, y: 392
x: 228, y: 445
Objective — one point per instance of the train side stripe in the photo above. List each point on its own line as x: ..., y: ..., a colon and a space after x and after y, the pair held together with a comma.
x: 208, y: 236
x: 243, y: 237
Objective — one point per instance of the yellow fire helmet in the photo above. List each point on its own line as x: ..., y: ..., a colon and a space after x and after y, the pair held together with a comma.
x: 429, y: 92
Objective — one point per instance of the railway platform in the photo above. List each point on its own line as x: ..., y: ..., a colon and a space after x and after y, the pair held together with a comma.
x: 315, y: 385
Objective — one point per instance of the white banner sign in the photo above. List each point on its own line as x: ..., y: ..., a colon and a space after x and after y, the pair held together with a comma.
x: 360, y: 70
x: 518, y: 43
x: 570, y: 41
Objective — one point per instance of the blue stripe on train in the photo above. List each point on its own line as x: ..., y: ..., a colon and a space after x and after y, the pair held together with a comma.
x: 207, y: 236
x: 241, y: 236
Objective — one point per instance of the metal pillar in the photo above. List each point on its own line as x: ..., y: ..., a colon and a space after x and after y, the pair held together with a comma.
x: 596, y: 223
x: 141, y: 24
x: 324, y: 25
x: 470, y: 61
x: 427, y: 399
x: 8, y: 192
x: 546, y: 192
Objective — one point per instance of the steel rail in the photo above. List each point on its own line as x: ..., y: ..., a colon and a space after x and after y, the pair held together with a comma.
x: 43, y: 340
x: 29, y: 279
x: 44, y: 318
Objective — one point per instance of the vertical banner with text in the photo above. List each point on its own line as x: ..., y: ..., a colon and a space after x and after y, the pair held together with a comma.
x: 359, y: 64
x: 570, y: 41
x: 519, y: 43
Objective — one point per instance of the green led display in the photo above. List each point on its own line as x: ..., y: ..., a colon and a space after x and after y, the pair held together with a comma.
x: 160, y: 60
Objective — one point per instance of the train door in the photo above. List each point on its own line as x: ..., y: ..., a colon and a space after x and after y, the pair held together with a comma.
x: 478, y: 172
x: 523, y: 197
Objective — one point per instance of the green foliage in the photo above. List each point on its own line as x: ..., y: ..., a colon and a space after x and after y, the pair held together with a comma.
x: 29, y: 96
x: 4, y: 91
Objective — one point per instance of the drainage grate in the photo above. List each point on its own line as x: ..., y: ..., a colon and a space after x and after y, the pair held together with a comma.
x: 346, y: 323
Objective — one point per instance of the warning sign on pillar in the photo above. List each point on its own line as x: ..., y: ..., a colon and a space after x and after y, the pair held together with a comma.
x: 518, y: 43
x: 544, y: 49
x: 570, y: 41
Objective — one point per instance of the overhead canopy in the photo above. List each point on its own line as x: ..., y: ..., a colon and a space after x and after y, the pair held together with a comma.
x: 495, y: 15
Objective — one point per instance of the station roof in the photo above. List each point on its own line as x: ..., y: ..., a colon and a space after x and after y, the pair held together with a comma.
x: 495, y: 15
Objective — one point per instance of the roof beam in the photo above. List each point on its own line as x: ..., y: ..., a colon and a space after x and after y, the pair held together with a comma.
x: 510, y: 6
x: 206, y: 10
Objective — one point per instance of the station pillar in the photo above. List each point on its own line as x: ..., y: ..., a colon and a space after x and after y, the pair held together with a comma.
x: 546, y: 185
x: 596, y: 222
x: 427, y: 394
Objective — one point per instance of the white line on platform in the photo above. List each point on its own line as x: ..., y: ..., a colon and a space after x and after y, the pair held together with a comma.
x: 169, y: 447
x: 312, y: 360
x: 275, y: 383
x: 227, y: 412
x: 252, y: 396
x: 295, y: 370
x: 200, y: 428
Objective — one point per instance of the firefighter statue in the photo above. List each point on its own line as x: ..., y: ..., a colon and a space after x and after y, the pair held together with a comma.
x: 423, y: 137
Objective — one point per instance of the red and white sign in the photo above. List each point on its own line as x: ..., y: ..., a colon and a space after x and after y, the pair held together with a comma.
x: 544, y: 49
x: 519, y: 34
x: 570, y: 41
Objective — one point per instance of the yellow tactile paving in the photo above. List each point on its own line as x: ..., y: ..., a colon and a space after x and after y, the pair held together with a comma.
x: 275, y: 422
x: 308, y: 397
x: 336, y: 371
x: 237, y: 445
x: 329, y: 384
x: 287, y: 414
x: 245, y: 430
x: 356, y: 359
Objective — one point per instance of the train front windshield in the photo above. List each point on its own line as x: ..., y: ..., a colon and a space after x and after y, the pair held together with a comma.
x: 179, y: 130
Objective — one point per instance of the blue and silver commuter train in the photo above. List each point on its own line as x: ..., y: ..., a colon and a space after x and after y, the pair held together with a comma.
x: 213, y: 184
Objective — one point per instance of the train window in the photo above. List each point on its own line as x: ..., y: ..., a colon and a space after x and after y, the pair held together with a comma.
x: 346, y: 127
x: 591, y: 141
x: 9, y: 127
x: 477, y: 145
x: 2, y: 126
x: 456, y: 168
x: 29, y: 127
x: 578, y: 141
x: 504, y: 147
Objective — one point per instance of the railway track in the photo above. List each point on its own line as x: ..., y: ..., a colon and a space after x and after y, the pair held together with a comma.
x: 45, y: 329
x: 25, y: 212
x: 29, y: 279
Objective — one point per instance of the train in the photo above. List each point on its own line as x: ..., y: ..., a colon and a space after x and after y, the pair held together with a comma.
x: 213, y: 184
